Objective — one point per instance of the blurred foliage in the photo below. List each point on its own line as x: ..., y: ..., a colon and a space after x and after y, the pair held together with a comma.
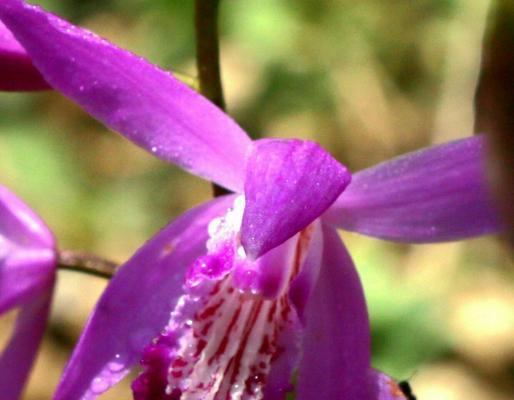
x: 368, y: 80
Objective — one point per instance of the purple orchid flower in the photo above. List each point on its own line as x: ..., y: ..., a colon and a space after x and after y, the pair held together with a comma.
x: 27, y: 276
x: 234, y: 295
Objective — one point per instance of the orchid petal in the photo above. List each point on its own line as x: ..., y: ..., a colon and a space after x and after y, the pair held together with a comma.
x: 27, y: 275
x: 137, y: 304
x: 289, y: 183
x: 16, y: 70
x: 303, y: 284
x: 385, y: 387
x: 18, y: 356
x: 130, y: 95
x: 24, y: 273
x: 432, y: 195
x: 27, y: 255
x: 310, y: 245
x: 336, y: 342
x: 20, y: 224
x: 282, y: 367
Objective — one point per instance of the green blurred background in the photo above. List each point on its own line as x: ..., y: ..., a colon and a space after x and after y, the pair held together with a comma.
x: 368, y: 80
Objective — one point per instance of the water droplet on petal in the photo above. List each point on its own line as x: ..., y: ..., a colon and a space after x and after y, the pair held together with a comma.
x: 117, y: 365
x: 4, y: 248
x: 99, y: 385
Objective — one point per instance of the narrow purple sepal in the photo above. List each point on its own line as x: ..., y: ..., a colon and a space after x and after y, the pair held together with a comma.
x: 289, y: 183
x: 137, y: 304
x: 336, y: 345
x: 18, y: 356
x: 130, y: 95
x: 27, y: 275
x: 23, y: 274
x: 27, y: 252
x: 16, y: 70
x: 22, y: 225
x: 432, y: 195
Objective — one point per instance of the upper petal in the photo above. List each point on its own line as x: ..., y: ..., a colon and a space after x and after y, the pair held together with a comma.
x: 16, y: 69
x: 137, y: 304
x: 143, y: 103
x: 432, y: 195
x: 289, y: 183
x: 17, y: 358
x: 336, y: 344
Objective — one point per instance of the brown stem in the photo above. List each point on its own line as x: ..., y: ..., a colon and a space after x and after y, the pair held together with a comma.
x: 495, y: 107
x: 207, y: 51
x: 208, y: 58
x: 81, y: 261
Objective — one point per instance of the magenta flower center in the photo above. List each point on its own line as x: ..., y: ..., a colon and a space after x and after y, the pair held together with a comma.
x: 225, y: 331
